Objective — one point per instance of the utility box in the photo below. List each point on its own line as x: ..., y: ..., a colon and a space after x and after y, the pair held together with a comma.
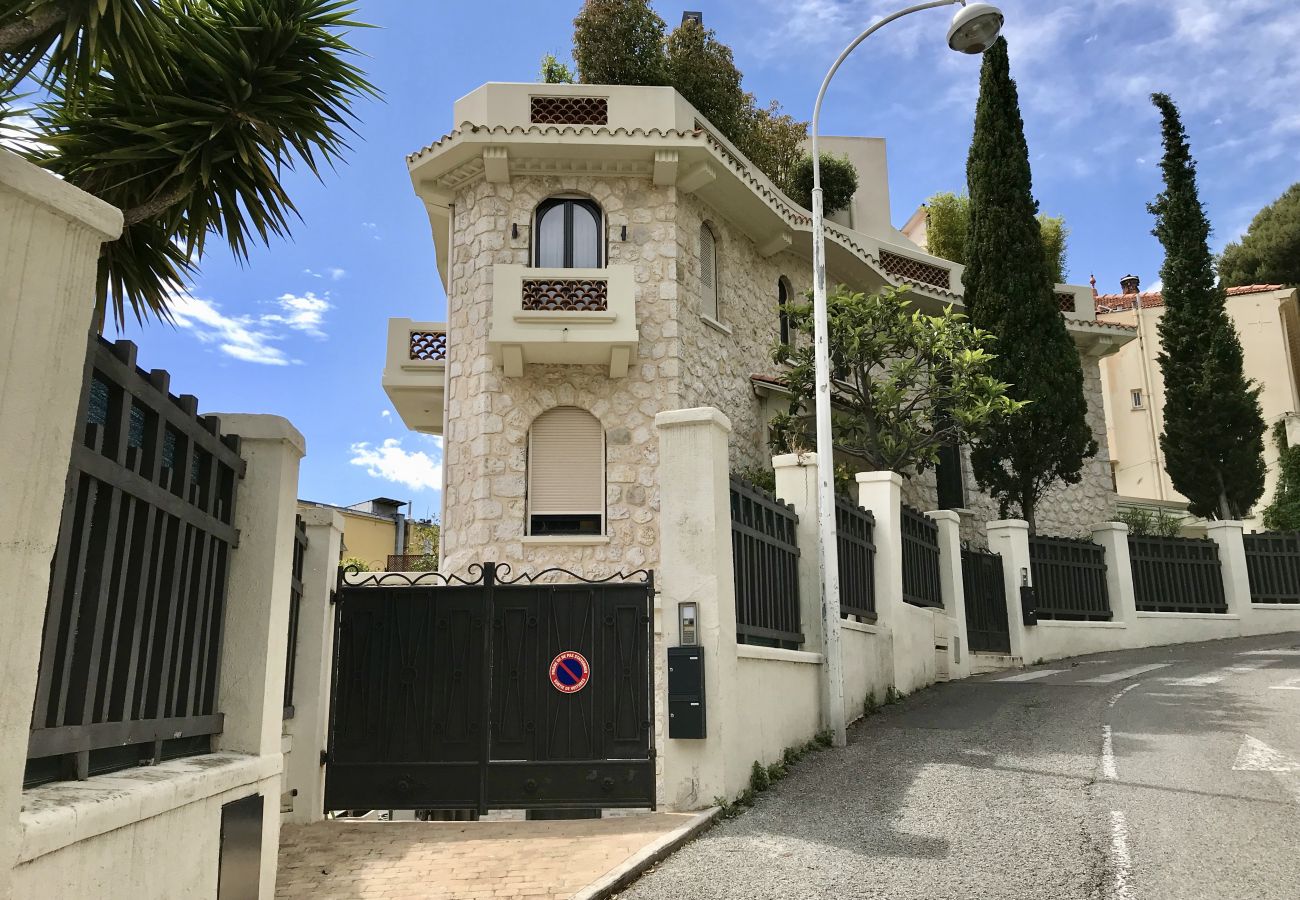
x: 686, y: 709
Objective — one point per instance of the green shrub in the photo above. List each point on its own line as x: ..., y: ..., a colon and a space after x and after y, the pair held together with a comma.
x: 869, y: 706
x: 839, y: 182
x: 824, y: 739
x: 758, y: 780
x: 356, y: 563
x: 775, y: 772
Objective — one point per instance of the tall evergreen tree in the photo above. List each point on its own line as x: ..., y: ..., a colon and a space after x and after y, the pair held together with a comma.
x: 619, y: 42
x: 1009, y: 292
x: 1213, y: 439
x: 1269, y: 253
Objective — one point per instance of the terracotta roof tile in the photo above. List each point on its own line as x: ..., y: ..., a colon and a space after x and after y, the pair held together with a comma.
x: 1113, y: 303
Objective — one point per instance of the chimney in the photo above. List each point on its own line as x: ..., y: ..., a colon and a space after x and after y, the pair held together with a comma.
x: 1129, y: 284
x: 696, y: 17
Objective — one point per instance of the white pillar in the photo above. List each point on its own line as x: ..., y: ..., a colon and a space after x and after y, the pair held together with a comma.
x: 953, y: 589
x: 796, y: 484
x: 695, y: 543
x: 308, y: 730
x: 50, y: 236
x: 1232, y: 559
x: 255, y: 635
x: 1113, y: 536
x: 882, y: 494
x: 1010, y: 538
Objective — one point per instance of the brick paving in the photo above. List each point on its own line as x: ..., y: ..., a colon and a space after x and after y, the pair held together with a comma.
x: 459, y: 860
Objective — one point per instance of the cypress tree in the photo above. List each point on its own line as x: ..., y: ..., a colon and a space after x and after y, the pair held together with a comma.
x: 1009, y: 292
x: 1213, y: 440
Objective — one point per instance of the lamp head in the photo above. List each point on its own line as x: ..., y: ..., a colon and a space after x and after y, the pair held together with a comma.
x: 975, y: 28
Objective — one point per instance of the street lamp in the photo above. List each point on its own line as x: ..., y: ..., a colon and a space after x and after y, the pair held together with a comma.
x: 974, y: 29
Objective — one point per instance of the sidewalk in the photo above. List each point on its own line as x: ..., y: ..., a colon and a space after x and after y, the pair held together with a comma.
x: 468, y: 860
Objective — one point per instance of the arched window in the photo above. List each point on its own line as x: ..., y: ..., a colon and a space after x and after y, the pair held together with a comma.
x: 783, y: 300
x: 567, y: 234
x: 566, y: 473
x: 708, y: 273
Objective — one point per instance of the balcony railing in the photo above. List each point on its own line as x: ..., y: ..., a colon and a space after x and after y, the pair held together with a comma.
x: 415, y: 372
x: 563, y: 317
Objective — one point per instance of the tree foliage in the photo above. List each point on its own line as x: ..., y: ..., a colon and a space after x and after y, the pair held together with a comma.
x: 619, y: 42
x: 1009, y: 293
x: 907, y: 383
x: 1213, y: 438
x: 1270, y: 251
x: 948, y: 221
x: 1283, y: 514
x: 703, y: 71
x: 554, y: 72
x: 194, y: 142
x: 773, y: 140
x: 839, y: 182
x: 1145, y: 523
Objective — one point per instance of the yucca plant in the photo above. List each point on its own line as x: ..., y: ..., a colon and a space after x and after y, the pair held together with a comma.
x: 195, y: 141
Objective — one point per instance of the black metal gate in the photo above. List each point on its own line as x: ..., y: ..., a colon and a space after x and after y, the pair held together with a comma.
x: 445, y: 695
x: 987, y: 627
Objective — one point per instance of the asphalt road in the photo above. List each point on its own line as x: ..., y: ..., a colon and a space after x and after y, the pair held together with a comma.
x: 1162, y: 774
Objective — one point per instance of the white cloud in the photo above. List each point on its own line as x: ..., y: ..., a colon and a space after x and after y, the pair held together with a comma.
x: 416, y: 470
x: 333, y: 273
x: 385, y: 414
x: 305, y: 313
x: 241, y: 337
x: 18, y: 133
x: 372, y: 229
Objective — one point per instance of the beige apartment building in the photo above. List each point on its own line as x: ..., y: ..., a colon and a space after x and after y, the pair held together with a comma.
x: 1268, y: 322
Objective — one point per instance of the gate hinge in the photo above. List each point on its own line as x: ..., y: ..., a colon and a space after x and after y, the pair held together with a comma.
x: 334, y: 597
x: 325, y: 757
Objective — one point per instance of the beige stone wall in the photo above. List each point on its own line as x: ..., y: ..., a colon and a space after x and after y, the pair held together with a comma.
x: 485, y: 464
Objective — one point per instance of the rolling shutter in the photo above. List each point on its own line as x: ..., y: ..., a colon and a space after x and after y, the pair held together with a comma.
x: 708, y: 273
x: 566, y: 463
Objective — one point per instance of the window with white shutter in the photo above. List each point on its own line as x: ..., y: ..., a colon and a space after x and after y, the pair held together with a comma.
x: 708, y: 274
x: 566, y: 473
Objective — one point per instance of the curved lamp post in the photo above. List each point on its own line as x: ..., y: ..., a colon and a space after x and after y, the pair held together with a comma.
x: 974, y: 29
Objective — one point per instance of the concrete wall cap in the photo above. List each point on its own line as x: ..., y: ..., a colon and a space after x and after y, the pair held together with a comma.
x: 699, y: 415
x: 1120, y: 527
x: 41, y: 187
x: 945, y: 515
x: 1225, y: 523
x: 1009, y: 525
x: 794, y: 460
x: 322, y: 515
x: 879, y: 477
x: 257, y: 427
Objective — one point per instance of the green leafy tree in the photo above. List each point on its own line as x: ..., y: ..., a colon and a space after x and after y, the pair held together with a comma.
x: 619, y: 42
x: 1270, y: 251
x: 773, y: 140
x: 703, y: 71
x: 1213, y: 438
x: 948, y: 220
x: 554, y: 71
x: 1283, y: 514
x: 1009, y: 292
x: 185, y: 114
x: 907, y: 383
x: 839, y: 182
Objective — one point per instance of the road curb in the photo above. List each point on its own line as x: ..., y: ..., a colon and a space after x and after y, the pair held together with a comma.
x: 634, y: 866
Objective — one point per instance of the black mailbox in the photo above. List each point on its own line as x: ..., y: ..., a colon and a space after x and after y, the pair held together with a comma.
x: 686, y: 717
x: 1028, y: 605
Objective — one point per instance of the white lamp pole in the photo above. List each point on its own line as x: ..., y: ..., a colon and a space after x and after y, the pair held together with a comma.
x: 973, y: 30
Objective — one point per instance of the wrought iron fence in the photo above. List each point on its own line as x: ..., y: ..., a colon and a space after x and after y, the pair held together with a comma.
x: 1177, y: 575
x: 921, y: 585
x: 765, y: 558
x: 1069, y: 578
x: 1273, y: 564
x: 132, y: 635
x: 854, y: 528
x: 988, y: 630
x: 295, y: 608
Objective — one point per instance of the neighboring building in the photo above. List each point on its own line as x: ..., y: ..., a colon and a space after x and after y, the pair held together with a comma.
x: 608, y: 256
x: 374, y: 530
x: 1268, y: 322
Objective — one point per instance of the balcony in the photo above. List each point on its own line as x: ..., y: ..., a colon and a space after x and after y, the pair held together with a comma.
x: 415, y: 372
x: 577, y: 317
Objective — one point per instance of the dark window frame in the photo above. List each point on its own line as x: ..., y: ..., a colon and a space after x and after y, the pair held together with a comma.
x: 568, y: 204
x: 783, y: 303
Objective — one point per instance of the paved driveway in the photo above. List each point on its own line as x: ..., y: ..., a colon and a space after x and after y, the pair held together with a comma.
x: 1163, y: 774
x: 459, y: 860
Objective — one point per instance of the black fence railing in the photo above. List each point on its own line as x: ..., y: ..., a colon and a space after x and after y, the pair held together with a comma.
x: 857, y: 552
x: 1273, y: 564
x: 765, y: 557
x: 132, y: 635
x: 1177, y: 575
x: 295, y: 609
x: 988, y: 630
x: 1069, y: 579
x: 921, y: 585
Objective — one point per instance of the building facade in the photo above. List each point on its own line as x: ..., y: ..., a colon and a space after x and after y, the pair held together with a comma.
x: 607, y: 256
x: 1267, y: 319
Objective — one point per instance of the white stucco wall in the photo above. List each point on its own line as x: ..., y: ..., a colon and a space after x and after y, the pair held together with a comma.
x: 868, y: 665
x: 779, y: 705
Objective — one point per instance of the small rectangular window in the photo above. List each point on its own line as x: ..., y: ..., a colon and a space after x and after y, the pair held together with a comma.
x: 1136, y: 396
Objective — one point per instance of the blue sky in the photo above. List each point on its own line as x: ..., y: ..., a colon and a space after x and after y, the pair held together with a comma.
x: 299, y: 330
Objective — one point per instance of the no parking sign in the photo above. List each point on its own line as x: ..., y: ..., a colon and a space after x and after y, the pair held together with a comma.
x: 570, y: 672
